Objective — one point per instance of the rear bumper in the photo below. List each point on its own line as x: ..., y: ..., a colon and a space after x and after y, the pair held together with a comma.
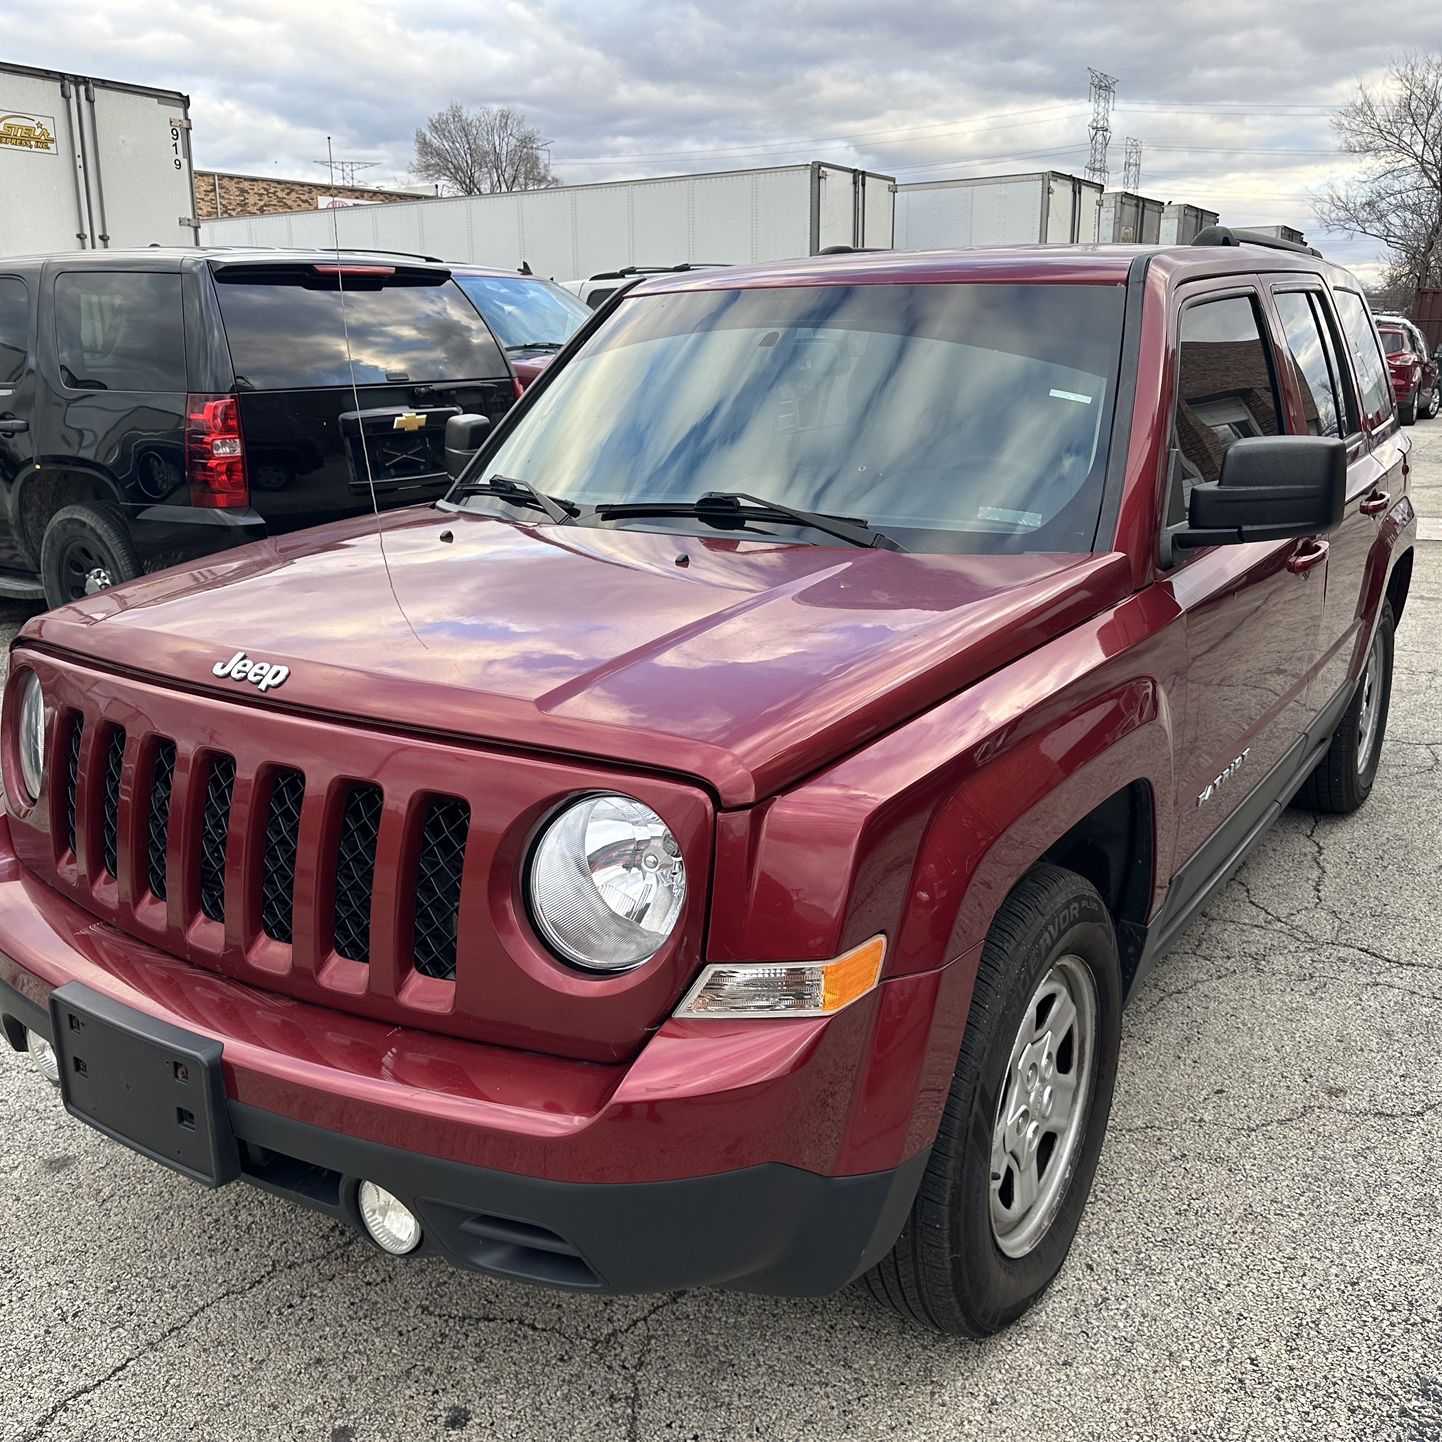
x: 778, y: 1156
x: 175, y: 535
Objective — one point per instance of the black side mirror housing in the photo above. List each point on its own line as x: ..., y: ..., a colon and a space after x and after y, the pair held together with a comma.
x: 1272, y: 488
x: 464, y: 435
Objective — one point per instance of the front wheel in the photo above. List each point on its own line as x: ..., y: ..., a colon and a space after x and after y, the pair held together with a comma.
x: 1343, y: 778
x: 1023, y: 1125
x: 1432, y: 402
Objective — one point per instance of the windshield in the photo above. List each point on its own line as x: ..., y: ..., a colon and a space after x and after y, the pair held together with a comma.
x: 522, y: 312
x: 951, y: 417
x: 286, y: 331
x: 1394, y: 342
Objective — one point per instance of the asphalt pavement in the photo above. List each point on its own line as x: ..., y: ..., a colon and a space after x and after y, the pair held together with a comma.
x: 1262, y: 1256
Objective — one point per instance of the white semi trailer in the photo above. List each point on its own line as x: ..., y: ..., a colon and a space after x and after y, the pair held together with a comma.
x: 89, y: 164
x: 731, y: 217
x: 1042, y: 208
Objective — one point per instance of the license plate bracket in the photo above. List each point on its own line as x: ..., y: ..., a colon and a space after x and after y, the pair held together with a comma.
x: 155, y: 1088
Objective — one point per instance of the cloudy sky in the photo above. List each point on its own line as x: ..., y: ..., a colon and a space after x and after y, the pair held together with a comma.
x: 1230, y: 99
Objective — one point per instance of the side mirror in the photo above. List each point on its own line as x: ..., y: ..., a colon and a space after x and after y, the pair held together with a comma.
x: 464, y: 435
x: 1272, y: 488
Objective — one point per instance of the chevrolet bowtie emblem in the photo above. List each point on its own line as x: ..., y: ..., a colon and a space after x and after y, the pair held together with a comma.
x: 410, y: 421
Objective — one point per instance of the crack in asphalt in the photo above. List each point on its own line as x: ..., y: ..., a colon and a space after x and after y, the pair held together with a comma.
x: 41, y: 1424
x: 1289, y: 1119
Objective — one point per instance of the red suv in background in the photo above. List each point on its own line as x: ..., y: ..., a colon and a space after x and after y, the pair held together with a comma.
x: 1414, y: 371
x: 715, y: 845
x: 530, y: 317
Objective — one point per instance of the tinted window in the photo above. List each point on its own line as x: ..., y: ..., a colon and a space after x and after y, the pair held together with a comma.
x: 1314, y: 373
x: 525, y: 314
x: 14, y: 329
x: 1225, y: 390
x: 118, y: 331
x: 1394, y: 342
x: 1367, y: 360
x: 286, y: 330
x: 953, y: 417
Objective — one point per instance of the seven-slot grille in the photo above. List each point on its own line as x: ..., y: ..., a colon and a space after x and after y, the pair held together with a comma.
x: 277, y: 807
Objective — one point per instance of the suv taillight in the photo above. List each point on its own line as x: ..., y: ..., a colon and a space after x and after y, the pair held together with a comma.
x: 214, y: 452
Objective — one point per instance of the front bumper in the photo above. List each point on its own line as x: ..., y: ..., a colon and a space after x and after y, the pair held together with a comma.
x: 778, y: 1156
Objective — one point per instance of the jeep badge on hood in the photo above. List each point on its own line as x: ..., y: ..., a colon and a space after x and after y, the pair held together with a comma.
x: 260, y: 674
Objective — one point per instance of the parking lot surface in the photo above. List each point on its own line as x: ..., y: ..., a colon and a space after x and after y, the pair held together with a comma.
x: 1262, y: 1256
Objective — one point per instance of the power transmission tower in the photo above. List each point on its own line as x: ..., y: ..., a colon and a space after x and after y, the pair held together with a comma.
x: 343, y: 172
x: 1103, y: 94
x: 1132, y: 166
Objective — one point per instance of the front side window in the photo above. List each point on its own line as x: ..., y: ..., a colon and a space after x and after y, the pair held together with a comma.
x: 1367, y: 362
x: 1225, y: 390
x: 120, y: 331
x: 952, y: 417
x: 1314, y: 375
x: 14, y: 329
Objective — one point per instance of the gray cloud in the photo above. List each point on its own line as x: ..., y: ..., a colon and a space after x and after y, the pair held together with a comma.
x: 1230, y: 99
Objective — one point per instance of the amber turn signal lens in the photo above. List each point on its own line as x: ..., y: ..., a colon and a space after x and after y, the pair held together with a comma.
x: 787, y: 988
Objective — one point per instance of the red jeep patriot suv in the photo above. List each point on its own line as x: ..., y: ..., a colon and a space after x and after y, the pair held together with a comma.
x: 714, y: 846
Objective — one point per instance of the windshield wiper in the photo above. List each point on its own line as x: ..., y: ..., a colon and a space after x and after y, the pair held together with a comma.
x: 551, y: 345
x: 720, y: 507
x: 518, y: 493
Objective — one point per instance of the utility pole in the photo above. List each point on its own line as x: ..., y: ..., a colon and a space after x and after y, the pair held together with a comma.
x: 1103, y: 95
x: 1132, y: 166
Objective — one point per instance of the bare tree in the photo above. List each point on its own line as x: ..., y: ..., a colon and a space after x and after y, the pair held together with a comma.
x: 480, y: 152
x: 1396, y: 131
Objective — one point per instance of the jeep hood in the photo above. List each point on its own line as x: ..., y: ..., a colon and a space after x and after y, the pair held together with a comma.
x: 744, y: 663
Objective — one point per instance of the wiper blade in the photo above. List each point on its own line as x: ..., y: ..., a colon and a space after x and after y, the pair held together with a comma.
x: 518, y: 493
x: 551, y: 345
x: 718, y: 507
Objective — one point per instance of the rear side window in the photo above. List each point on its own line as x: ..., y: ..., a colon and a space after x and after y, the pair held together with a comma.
x: 1225, y: 390
x: 120, y: 331
x: 287, y: 331
x: 1303, y: 329
x: 1367, y: 360
x: 14, y: 329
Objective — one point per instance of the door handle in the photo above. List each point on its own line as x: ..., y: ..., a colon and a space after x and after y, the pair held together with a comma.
x: 1308, y: 555
x: 12, y: 425
x: 1375, y: 504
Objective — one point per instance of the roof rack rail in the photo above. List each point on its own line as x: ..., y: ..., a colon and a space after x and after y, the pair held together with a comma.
x: 1225, y: 235
x: 852, y: 249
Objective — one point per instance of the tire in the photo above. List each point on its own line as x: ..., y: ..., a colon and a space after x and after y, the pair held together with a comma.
x: 1434, y: 402
x: 1407, y: 410
x: 1342, y: 779
x: 948, y: 1269
x: 81, y: 544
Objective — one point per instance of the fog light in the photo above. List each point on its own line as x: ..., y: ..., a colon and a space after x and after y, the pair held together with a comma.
x: 43, y: 1055
x: 392, y: 1225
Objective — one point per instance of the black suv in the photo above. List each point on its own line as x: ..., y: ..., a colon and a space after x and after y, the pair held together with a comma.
x: 156, y: 405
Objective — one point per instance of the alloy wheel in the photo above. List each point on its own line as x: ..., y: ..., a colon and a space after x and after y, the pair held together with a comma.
x: 1371, y: 706
x: 1042, y: 1113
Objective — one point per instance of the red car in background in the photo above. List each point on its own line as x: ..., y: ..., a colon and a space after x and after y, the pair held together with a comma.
x: 1414, y: 372
x: 530, y: 317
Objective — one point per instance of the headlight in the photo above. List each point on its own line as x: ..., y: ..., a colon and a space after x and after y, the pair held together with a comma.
x: 30, y: 737
x: 607, y: 883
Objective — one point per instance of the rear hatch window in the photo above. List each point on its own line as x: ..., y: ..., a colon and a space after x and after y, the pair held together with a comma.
x: 287, y: 330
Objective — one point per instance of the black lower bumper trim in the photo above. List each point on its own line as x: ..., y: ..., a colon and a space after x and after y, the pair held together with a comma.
x: 772, y: 1228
